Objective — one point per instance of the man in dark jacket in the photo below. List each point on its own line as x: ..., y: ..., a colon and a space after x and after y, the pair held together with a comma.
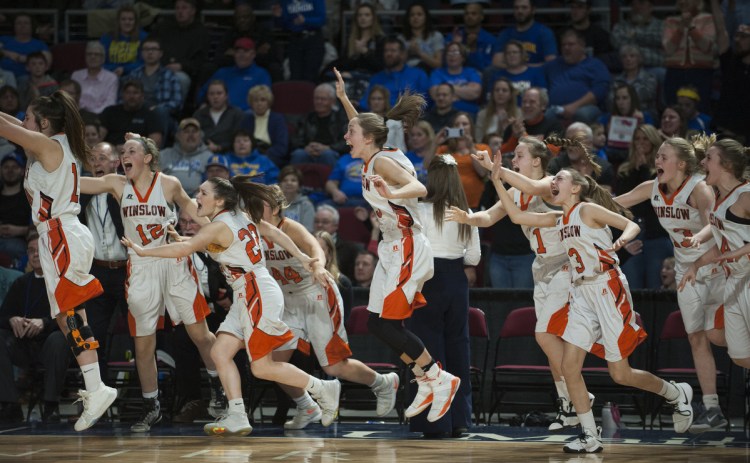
x: 320, y: 138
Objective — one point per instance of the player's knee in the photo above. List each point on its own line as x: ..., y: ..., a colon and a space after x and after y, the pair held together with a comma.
x: 570, y: 369
x: 259, y: 369
x: 620, y: 375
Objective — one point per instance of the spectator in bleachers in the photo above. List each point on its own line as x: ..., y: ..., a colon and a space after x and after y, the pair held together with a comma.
x: 424, y: 44
x: 73, y: 88
x: 7, y: 78
x: 690, y: 50
x: 304, y: 20
x: 132, y: 115
x: 218, y: 166
x: 421, y: 144
x: 625, y: 104
x: 534, y: 122
x: 379, y: 100
x: 735, y: 92
x: 10, y: 102
x: 578, y: 84
x: 364, y: 47
x: 98, y: 85
x: 688, y: 99
x: 442, y: 112
x: 161, y: 87
x: 342, y: 281
x: 517, y: 70
x: 668, y: 274
x: 299, y: 208
x: 643, y: 31
x: 269, y: 129
x: 320, y: 135
x: 461, y: 147
x: 327, y: 219
x: 500, y: 111
x: 267, y: 53
x: 244, y: 160
x: 477, y: 41
x: 15, y: 211
x: 219, y: 120
x: 641, y: 258
x: 122, y: 46
x: 634, y: 74
x: 241, y: 77
x: 673, y: 123
x: 185, y: 42
x: 16, y: 48
x: 466, y: 81
x: 344, y: 184
x: 37, y: 82
x: 7, y: 277
x: 187, y: 158
x: 364, y: 268
x: 575, y: 156
x: 537, y: 39
x: 92, y: 133
x: 28, y: 336
x: 397, y: 75
x: 598, y: 43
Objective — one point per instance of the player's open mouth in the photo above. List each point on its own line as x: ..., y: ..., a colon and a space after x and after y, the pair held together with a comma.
x: 659, y: 172
x: 554, y: 191
x: 127, y: 166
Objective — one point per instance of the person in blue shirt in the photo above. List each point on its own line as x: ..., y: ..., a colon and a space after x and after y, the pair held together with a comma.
x: 304, y: 20
x: 477, y: 41
x: 466, y: 81
x: 537, y: 39
x: 345, y: 183
x: 688, y: 99
x: 517, y: 70
x: 398, y: 76
x: 247, y: 161
x: 15, y: 48
x: 241, y: 77
x: 122, y: 46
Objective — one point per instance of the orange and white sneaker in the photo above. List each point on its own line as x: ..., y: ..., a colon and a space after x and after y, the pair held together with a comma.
x: 423, y: 398
x: 304, y: 417
x: 444, y: 389
x: 231, y: 424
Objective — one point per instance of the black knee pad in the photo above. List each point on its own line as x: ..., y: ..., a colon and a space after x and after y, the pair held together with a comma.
x: 393, y: 333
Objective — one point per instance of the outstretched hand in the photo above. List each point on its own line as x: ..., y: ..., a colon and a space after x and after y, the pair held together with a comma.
x: 129, y: 244
x: 455, y: 214
x: 340, y: 85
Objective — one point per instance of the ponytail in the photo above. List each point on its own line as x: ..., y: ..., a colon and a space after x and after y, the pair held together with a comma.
x: 734, y: 157
x: 252, y: 196
x: 576, y: 143
x: 408, y: 109
x: 62, y: 113
x: 592, y: 192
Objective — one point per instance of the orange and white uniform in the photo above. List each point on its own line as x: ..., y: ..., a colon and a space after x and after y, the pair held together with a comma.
x: 701, y: 303
x: 258, y: 305
x: 732, y: 232
x: 601, y: 319
x: 550, y: 268
x: 155, y: 283
x: 405, y: 257
x: 315, y: 314
x: 66, y: 247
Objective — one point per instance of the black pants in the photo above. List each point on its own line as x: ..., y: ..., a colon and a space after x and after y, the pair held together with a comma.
x: 101, y: 310
x: 51, y: 352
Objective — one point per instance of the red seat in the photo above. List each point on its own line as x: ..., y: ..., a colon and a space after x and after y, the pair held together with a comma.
x: 68, y: 57
x: 293, y: 97
x: 479, y: 336
x: 351, y: 228
x: 314, y: 175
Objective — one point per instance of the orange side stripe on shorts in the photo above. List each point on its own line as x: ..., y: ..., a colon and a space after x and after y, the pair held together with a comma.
x: 304, y: 347
x: 200, y: 305
x: 131, y: 324
x: 559, y: 321
x: 719, y: 318
x: 337, y: 350
x: 261, y: 344
x: 598, y: 350
x: 395, y: 304
x: 69, y: 295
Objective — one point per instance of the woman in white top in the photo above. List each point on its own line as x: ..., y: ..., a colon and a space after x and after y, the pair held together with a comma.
x: 443, y: 325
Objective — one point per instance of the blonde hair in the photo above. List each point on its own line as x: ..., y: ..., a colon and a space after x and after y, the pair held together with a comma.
x: 735, y: 157
x: 331, y: 264
x: 652, y: 134
x: 537, y: 149
x: 444, y: 189
x: 259, y: 91
x: 685, y: 152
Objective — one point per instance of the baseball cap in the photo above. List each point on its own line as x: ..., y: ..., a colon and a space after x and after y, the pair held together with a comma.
x: 244, y: 42
x: 15, y: 157
x: 218, y: 160
x: 189, y: 121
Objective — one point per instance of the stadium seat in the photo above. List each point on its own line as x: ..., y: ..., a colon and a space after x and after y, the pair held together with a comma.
x: 480, y: 349
x: 351, y: 228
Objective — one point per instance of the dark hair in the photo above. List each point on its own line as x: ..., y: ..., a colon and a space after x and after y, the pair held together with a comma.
x: 62, y: 113
x: 635, y: 102
x: 153, y: 38
x: 126, y: 9
x: 574, y: 32
x: 37, y: 55
x: 132, y: 83
x: 683, y: 120
x: 734, y: 157
x: 576, y: 143
x: 8, y: 89
x: 453, y: 142
x: 290, y: 170
x: 444, y: 189
x: 519, y: 44
x: 242, y: 192
x: 592, y: 192
x: 428, y: 24
x: 408, y: 109
x: 74, y: 83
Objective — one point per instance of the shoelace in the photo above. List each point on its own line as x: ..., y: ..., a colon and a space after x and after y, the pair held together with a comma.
x: 676, y: 408
x: 83, y: 397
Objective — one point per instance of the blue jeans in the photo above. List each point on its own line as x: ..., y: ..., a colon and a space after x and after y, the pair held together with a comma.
x: 511, y: 271
x: 643, y: 271
x: 300, y: 156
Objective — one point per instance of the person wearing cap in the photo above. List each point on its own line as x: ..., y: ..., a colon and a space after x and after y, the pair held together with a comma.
x: 218, y: 166
x: 187, y: 158
x: 688, y: 99
x: 241, y: 77
x: 597, y: 39
x: 219, y: 120
x: 15, y: 211
x: 132, y: 115
x: 735, y: 91
x: 538, y: 40
x: 161, y: 87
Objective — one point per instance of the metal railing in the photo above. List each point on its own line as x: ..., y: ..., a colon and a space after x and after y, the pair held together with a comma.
x: 43, y: 16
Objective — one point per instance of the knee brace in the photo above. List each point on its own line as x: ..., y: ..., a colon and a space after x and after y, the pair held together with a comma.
x: 78, y: 334
x: 393, y: 333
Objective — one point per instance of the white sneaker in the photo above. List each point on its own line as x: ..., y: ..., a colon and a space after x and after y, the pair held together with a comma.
x: 444, y: 389
x: 328, y: 400
x: 423, y: 398
x: 585, y: 443
x: 386, y: 394
x: 566, y: 414
x: 231, y: 424
x: 94, y: 405
x: 682, y: 416
x: 304, y: 417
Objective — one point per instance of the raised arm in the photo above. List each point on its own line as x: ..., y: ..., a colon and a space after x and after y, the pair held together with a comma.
x: 341, y: 94
x: 44, y: 149
x: 637, y: 195
x: 547, y: 219
x: 391, y: 173
x: 525, y: 184
x: 106, y: 184
x: 178, y: 196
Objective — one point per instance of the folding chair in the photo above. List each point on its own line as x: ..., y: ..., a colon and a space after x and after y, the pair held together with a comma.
x: 480, y: 337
